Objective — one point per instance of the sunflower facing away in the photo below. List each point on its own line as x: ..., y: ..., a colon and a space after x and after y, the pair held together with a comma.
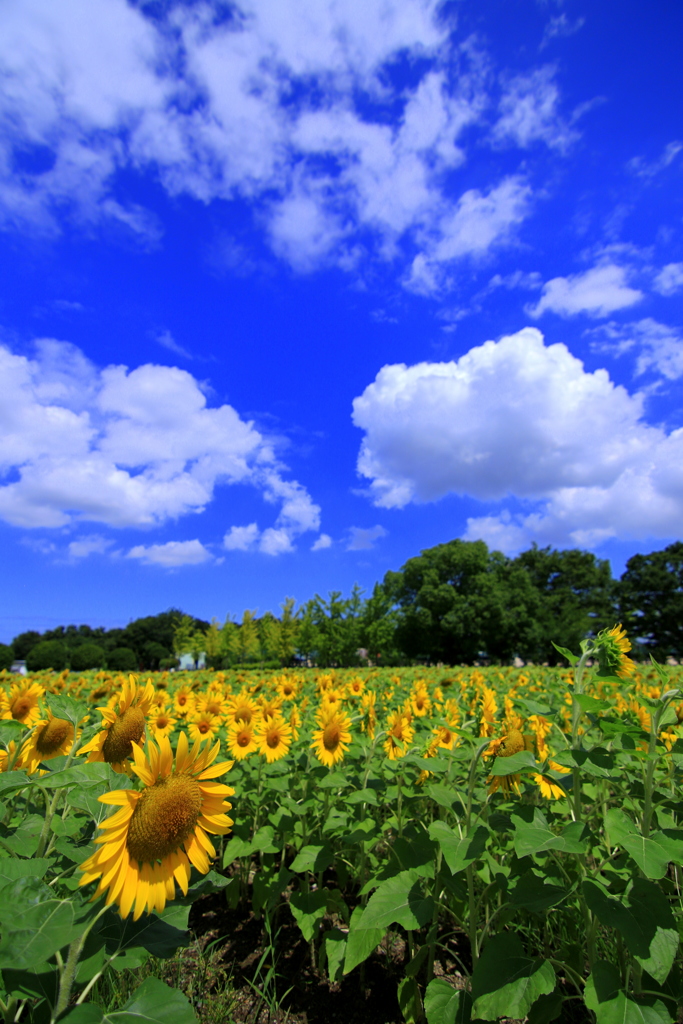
x: 611, y: 646
x: 123, y: 725
x: 160, y: 832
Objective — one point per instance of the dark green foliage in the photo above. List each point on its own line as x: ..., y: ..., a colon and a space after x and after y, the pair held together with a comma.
x: 459, y: 601
x: 122, y: 659
x: 6, y: 656
x: 577, y: 597
x: 23, y: 643
x: 87, y: 656
x: 47, y: 654
x: 651, y: 600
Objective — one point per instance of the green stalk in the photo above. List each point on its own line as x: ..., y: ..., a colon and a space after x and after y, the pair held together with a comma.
x: 68, y: 972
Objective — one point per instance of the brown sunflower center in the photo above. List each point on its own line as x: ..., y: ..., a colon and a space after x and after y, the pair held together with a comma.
x: 165, y: 817
x: 203, y: 727
x: 331, y: 737
x: 162, y: 721
x: 126, y: 730
x: 273, y: 739
x: 243, y: 739
x: 22, y: 707
x: 52, y: 735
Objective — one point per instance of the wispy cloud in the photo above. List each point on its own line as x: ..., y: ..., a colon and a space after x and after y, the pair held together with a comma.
x: 364, y: 539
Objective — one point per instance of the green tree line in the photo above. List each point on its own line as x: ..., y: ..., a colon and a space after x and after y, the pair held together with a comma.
x: 454, y: 603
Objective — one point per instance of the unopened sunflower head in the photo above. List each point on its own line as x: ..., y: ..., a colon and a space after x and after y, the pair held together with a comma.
x: 611, y: 646
x: 160, y: 832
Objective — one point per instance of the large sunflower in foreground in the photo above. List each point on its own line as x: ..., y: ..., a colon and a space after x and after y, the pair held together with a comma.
x: 160, y: 832
x: 123, y: 724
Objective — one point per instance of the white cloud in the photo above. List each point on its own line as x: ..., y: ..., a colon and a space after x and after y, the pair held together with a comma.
x: 658, y: 347
x: 241, y: 538
x: 322, y: 542
x: 166, y: 340
x: 364, y: 539
x: 529, y: 113
x: 517, y: 418
x: 171, y: 555
x: 597, y: 292
x: 560, y: 27
x: 215, y: 110
x: 649, y: 168
x: 92, y: 544
x: 669, y: 280
x: 129, y: 448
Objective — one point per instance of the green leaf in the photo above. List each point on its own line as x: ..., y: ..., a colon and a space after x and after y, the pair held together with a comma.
x: 409, y: 1000
x: 399, y: 900
x: 604, y: 996
x: 313, y: 858
x: 10, y: 731
x: 514, y: 763
x: 67, y: 708
x: 362, y: 796
x: 652, y: 855
x: 11, y: 781
x: 458, y: 853
x: 361, y: 941
x: 532, y: 893
x: 268, y: 888
x: 536, y: 836
x: 546, y: 1008
x: 38, y: 932
x: 334, y: 780
x: 445, y: 1004
x: 11, y: 869
x: 566, y: 653
x: 308, y: 909
x: 647, y: 923
x: 590, y: 704
x: 506, y: 982
x: 444, y: 796
x: 161, y: 936
x: 153, y: 1002
x: 42, y: 982
x: 335, y: 950
x: 618, y: 826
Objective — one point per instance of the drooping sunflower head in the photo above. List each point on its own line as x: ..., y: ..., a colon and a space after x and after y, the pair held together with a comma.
x: 123, y: 724
x: 23, y: 703
x: 160, y: 832
x: 331, y: 740
x: 52, y: 737
x: 611, y: 646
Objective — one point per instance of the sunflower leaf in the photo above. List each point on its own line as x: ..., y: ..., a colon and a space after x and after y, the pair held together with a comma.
x: 506, y: 982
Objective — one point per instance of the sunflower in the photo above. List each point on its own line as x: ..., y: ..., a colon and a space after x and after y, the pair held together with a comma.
x: 50, y: 738
x: 512, y: 743
x: 549, y: 786
x: 211, y: 703
x: 369, y: 720
x: 274, y: 738
x: 611, y: 646
x: 203, y: 726
x: 355, y: 687
x: 331, y: 740
x: 242, y: 708
x: 183, y: 702
x: 399, y: 735
x: 161, y: 723
x: 420, y: 702
x: 488, y: 711
x: 160, y: 832
x: 122, y: 726
x: 241, y: 740
x: 287, y: 688
x: 22, y: 703
x: 270, y: 706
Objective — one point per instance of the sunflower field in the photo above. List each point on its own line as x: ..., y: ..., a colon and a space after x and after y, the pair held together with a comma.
x: 476, y: 843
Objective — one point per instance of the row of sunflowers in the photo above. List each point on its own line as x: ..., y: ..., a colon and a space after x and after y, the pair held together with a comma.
x: 476, y: 810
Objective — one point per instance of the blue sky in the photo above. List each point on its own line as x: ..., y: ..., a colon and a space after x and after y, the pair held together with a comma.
x: 293, y: 289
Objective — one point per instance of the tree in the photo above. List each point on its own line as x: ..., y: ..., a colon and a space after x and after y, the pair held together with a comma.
x: 577, y: 598
x: 212, y: 643
x: 651, y: 600
x: 338, y: 624
x: 289, y: 626
x: 248, y: 638
x: 229, y: 642
x: 122, y: 659
x: 269, y: 636
x: 6, y: 656
x: 23, y: 643
x: 47, y: 654
x: 87, y: 656
x: 458, y: 602
x: 378, y: 628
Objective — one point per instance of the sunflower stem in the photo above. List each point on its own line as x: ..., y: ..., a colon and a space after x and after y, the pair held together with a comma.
x: 68, y: 972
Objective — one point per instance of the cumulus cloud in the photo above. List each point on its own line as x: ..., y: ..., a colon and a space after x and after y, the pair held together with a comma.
x: 322, y: 542
x: 173, y: 554
x: 128, y: 448
x: 597, y: 292
x: 519, y: 419
x: 92, y: 544
x: 669, y: 280
x: 241, y: 538
x: 271, y: 104
x: 364, y: 539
